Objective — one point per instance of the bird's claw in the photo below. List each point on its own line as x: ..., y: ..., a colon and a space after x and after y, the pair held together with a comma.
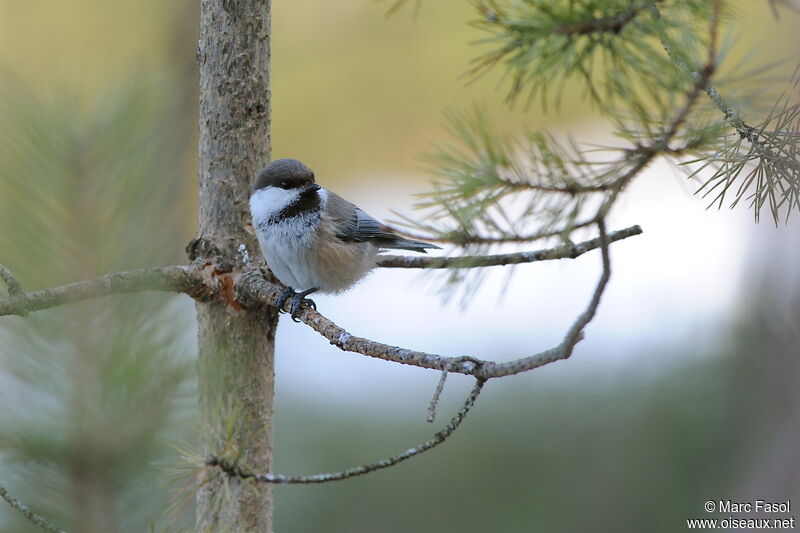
x: 287, y: 293
x: 298, y: 299
x: 297, y: 302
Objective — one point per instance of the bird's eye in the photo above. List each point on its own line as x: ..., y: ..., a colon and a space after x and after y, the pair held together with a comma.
x: 284, y: 185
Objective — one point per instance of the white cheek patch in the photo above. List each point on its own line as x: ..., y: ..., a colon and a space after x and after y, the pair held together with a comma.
x: 268, y: 201
x: 323, y: 196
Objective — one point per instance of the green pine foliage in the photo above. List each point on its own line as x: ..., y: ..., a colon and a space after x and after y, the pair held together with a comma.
x: 657, y: 71
x: 608, y: 47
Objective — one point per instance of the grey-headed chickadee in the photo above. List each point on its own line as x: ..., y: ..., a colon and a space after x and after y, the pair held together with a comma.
x: 313, y: 239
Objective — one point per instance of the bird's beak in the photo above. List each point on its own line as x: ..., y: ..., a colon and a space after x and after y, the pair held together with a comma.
x: 311, y: 188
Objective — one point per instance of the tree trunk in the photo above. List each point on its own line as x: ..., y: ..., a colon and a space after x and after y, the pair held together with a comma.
x: 235, y: 358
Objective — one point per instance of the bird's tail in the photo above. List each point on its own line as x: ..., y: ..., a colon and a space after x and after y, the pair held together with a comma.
x: 401, y: 243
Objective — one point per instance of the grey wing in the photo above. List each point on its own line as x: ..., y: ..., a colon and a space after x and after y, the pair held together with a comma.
x: 360, y: 227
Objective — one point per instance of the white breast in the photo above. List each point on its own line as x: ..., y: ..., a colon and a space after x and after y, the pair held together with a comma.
x: 285, y: 244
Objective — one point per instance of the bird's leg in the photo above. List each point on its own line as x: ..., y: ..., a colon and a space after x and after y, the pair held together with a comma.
x: 287, y: 293
x: 298, y: 300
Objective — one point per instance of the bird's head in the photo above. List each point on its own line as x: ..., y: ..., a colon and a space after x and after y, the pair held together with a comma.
x: 281, y: 184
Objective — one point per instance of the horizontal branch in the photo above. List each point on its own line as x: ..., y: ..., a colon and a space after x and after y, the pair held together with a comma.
x: 186, y: 279
x: 234, y: 470
x: 566, y: 251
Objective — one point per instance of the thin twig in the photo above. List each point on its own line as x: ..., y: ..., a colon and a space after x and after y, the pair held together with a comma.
x: 12, y: 284
x: 27, y: 513
x: 437, y: 393
x: 574, y: 333
x: 11, y: 281
x: 234, y: 470
x: 566, y: 251
x: 731, y: 113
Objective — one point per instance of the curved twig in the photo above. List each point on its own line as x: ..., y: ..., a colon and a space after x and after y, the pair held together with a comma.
x: 233, y: 469
x: 574, y: 333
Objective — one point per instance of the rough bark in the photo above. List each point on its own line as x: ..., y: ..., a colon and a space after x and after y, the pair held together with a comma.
x: 235, y: 359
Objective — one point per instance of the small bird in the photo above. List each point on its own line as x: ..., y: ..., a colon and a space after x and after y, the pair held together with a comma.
x: 312, y: 238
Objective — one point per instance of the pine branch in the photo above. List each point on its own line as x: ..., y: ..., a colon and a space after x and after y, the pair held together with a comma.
x: 765, y: 154
x: 488, y: 167
x: 232, y: 469
x: 643, y: 155
x: 25, y: 511
x: 483, y: 168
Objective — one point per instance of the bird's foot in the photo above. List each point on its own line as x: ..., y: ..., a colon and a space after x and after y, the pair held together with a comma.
x: 297, y: 302
x: 287, y: 293
x: 298, y: 299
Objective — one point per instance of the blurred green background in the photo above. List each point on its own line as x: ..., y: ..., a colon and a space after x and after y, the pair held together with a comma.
x: 98, y: 172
